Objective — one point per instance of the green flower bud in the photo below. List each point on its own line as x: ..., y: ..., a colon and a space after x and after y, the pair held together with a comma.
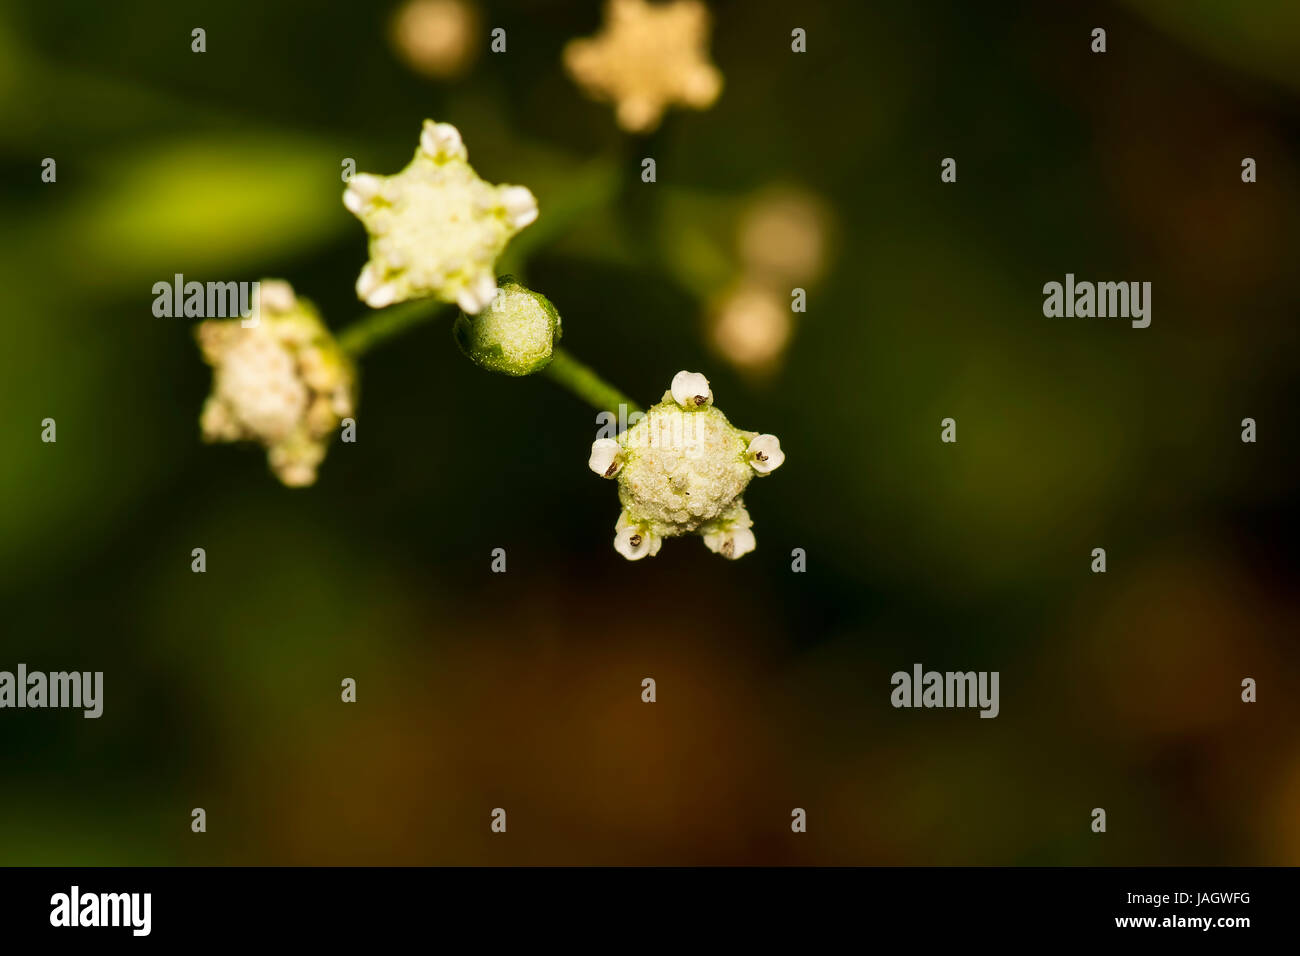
x: 515, y: 333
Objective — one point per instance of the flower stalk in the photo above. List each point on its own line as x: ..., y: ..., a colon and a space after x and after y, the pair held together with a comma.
x: 378, y: 327
x: 582, y: 381
x: 566, y: 371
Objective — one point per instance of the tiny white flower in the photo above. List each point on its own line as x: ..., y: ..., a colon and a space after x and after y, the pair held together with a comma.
x: 520, y: 205
x: 276, y: 295
x: 731, y: 543
x: 372, y: 290
x: 474, y: 297
x: 634, y: 540
x: 441, y: 141
x: 691, y: 389
x: 382, y: 296
x: 730, y: 534
x: 362, y: 188
x: 604, y: 457
x: 765, y: 454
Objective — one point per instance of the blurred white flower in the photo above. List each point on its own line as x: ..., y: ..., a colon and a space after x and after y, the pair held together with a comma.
x: 752, y: 326
x: 439, y: 38
x: 647, y: 57
x: 284, y: 383
x: 783, y: 236
x: 783, y: 239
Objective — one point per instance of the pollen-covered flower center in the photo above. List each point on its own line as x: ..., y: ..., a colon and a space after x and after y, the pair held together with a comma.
x: 435, y: 228
x: 442, y: 222
x: 684, y: 467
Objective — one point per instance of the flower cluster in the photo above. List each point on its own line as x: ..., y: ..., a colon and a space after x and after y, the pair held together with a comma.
x: 681, y: 469
x: 282, y: 382
x: 436, y: 229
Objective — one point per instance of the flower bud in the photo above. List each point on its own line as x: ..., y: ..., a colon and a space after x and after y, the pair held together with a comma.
x: 514, y: 332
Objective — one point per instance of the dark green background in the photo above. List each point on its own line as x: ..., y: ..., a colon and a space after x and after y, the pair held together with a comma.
x: 522, y: 690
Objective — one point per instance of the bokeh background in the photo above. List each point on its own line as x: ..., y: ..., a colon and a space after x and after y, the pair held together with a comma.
x: 522, y: 690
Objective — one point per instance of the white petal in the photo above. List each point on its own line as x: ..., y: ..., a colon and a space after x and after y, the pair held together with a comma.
x: 468, y: 304
x: 475, y: 296
x: 382, y: 297
x: 634, y: 543
x: 604, y: 457
x: 362, y: 188
x: 691, y: 389
x: 366, y: 185
x: 520, y: 205
x: 442, y: 141
x: 368, y: 281
x: 275, y: 295
x: 765, y: 454
x: 731, y: 543
x: 485, y: 287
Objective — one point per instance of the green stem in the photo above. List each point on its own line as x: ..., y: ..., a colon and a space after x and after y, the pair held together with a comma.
x: 369, y: 330
x: 567, y: 371
x: 597, y: 184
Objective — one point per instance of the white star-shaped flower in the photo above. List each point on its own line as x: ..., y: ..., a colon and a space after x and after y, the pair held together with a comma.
x: 646, y: 57
x: 436, y: 229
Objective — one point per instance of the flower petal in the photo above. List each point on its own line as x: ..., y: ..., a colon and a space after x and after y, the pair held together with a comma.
x: 765, y: 454
x: 441, y: 141
x: 732, y: 542
x: 604, y: 459
x: 691, y: 389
